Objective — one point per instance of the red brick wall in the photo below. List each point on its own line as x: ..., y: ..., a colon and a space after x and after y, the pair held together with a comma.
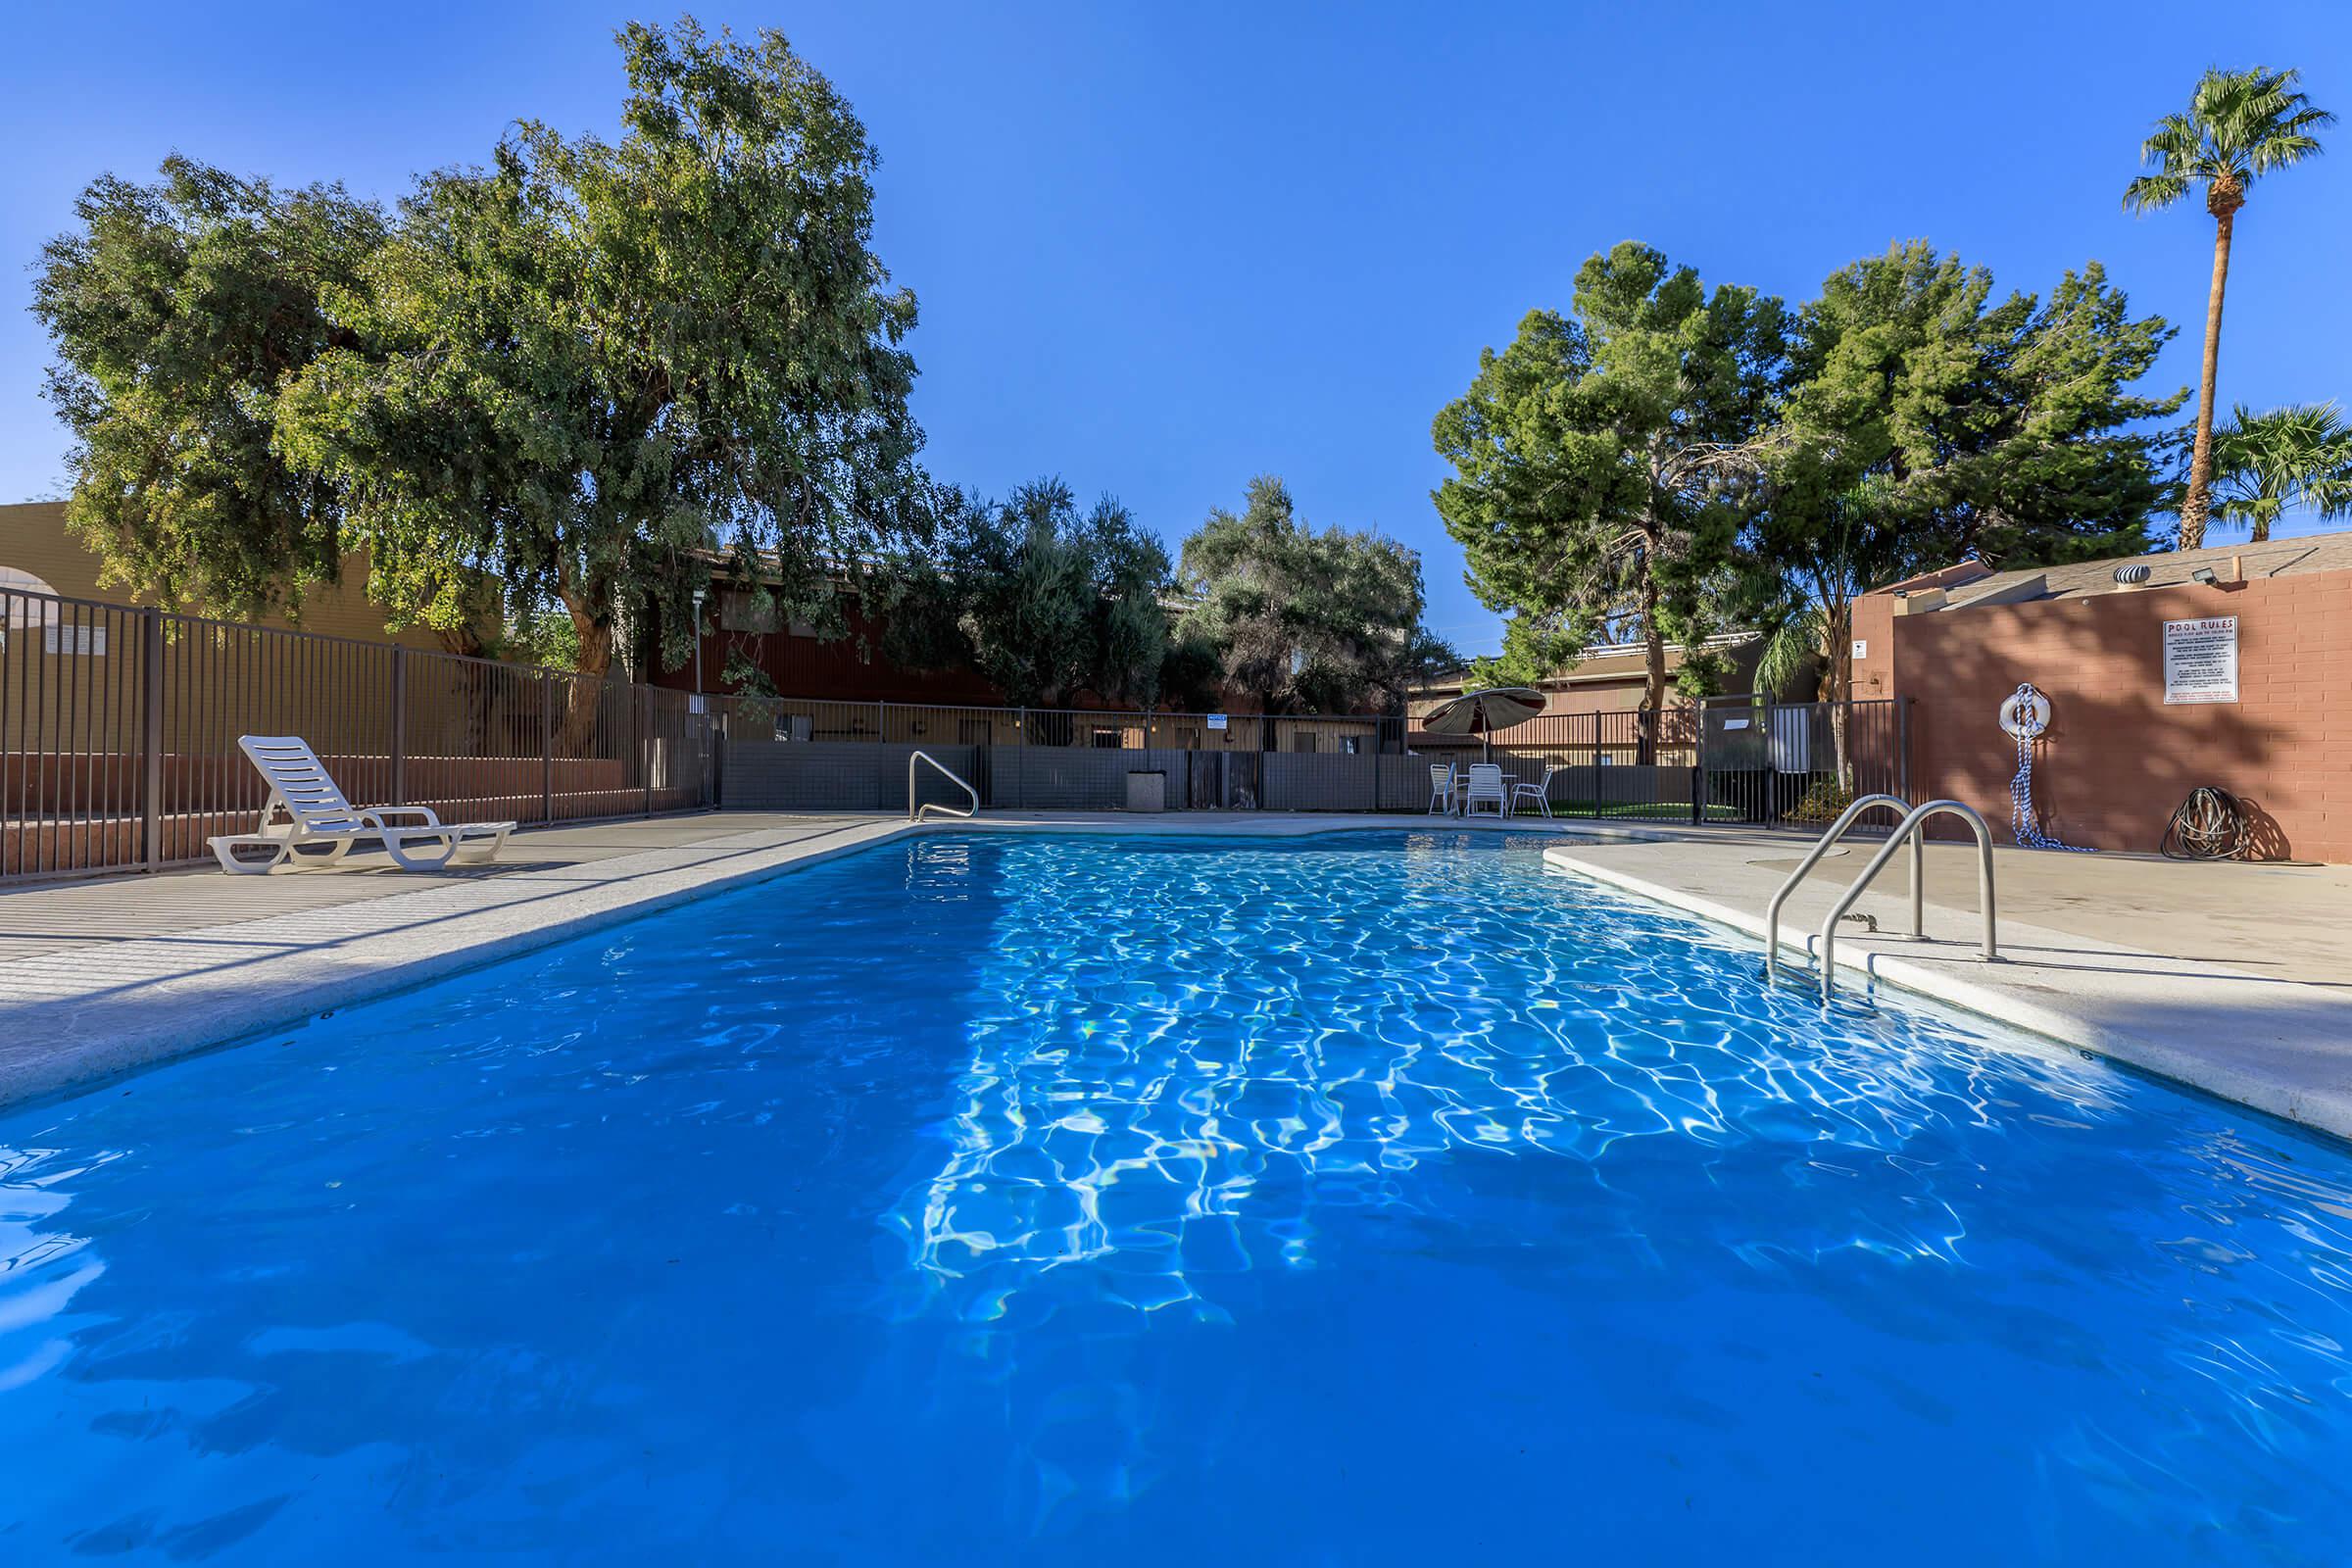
x: 2117, y: 760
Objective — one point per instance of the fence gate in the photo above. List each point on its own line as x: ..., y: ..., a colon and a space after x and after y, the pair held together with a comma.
x: 1772, y: 763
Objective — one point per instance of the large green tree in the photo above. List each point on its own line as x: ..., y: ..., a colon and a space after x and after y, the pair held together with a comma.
x: 1606, y: 461
x: 1922, y: 421
x: 2002, y: 428
x: 1043, y: 600
x: 1306, y: 621
x: 598, y: 360
x: 2239, y: 126
x: 179, y: 310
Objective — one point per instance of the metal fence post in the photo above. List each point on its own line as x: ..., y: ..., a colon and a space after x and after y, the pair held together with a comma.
x: 400, y: 725
x: 1594, y: 803
x: 547, y: 749
x: 645, y: 736
x: 1698, y: 764
x: 712, y: 739
x: 1902, y: 762
x: 151, y: 740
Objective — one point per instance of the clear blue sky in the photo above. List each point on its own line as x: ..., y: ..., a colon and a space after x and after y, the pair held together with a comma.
x: 1162, y: 248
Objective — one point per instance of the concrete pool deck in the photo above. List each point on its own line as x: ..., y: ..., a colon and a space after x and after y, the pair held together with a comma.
x: 2234, y: 979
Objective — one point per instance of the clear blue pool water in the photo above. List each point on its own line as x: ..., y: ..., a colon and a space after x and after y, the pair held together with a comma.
x: 1076, y: 1201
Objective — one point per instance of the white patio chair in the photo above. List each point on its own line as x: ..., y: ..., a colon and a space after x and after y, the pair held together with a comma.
x: 1441, y: 789
x: 321, y: 826
x: 1486, y: 784
x: 1541, y: 794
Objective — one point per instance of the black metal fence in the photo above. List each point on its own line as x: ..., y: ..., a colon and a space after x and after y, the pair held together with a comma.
x: 1801, y: 764
x: 119, y: 733
x: 118, y: 730
x: 1689, y: 764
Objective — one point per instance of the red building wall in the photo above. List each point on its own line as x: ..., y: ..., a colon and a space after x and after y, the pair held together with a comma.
x: 851, y: 669
x: 2117, y: 760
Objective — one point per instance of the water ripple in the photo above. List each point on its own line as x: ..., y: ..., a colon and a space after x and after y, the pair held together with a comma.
x: 1046, y: 1200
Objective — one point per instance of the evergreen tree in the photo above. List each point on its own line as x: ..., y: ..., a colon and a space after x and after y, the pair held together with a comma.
x: 1604, y: 462
x: 1304, y: 621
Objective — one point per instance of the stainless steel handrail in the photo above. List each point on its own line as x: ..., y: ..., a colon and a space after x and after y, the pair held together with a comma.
x: 1845, y: 820
x: 1910, y: 830
x: 915, y: 813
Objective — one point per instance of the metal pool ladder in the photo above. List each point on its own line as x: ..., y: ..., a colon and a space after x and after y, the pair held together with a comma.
x: 917, y: 813
x: 1910, y: 830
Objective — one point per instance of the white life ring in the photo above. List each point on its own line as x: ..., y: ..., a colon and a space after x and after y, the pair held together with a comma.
x: 2026, y: 714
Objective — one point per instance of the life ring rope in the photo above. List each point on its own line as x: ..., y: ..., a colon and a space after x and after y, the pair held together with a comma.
x: 2025, y: 715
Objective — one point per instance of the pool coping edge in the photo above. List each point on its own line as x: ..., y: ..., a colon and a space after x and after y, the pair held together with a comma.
x: 2323, y: 1108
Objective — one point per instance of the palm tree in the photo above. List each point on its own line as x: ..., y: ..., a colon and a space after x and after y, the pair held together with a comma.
x: 2240, y: 124
x: 2265, y: 462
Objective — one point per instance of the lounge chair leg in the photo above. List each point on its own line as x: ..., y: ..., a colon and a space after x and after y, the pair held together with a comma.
x: 399, y: 852
x: 314, y: 854
x: 482, y: 849
x: 225, y: 850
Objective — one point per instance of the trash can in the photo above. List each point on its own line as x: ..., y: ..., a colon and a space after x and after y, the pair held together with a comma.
x: 1148, y: 790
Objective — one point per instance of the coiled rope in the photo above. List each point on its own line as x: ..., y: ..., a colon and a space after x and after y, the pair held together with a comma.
x: 2024, y: 825
x: 2210, y: 825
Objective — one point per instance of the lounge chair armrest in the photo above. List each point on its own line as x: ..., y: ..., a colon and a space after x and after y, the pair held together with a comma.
x: 380, y: 817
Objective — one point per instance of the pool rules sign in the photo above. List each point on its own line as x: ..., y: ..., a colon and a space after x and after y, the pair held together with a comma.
x: 2200, y: 660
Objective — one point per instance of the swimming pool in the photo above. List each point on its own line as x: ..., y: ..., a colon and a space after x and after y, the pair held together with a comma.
x: 993, y: 1199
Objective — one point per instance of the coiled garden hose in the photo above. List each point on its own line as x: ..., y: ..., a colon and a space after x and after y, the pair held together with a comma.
x: 2210, y: 825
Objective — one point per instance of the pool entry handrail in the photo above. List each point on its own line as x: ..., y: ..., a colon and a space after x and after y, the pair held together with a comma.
x: 1909, y: 831
x: 917, y: 813
x: 1845, y: 820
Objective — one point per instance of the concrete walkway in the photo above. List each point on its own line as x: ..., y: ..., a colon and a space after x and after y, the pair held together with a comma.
x: 2234, y: 979
x: 47, y: 917
x: 2284, y: 922
x: 2237, y: 979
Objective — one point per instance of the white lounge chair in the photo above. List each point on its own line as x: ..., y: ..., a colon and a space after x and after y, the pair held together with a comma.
x: 321, y: 826
x: 1485, y: 785
x: 1541, y: 794
x: 1441, y: 789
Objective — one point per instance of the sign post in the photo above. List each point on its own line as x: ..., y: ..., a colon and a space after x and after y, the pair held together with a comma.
x: 2200, y: 661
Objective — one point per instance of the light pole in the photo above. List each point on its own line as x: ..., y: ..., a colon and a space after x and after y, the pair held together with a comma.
x: 699, y: 595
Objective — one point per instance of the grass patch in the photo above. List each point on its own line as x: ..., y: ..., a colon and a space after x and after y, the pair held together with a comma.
x: 1660, y: 811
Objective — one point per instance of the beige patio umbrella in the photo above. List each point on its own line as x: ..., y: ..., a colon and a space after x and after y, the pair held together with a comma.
x: 1481, y: 713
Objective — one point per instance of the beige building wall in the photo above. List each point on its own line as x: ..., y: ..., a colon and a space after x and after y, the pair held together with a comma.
x: 33, y: 539
x: 72, y: 683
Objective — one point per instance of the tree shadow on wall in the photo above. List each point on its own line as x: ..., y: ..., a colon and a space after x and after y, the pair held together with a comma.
x: 2264, y: 839
x: 2116, y: 760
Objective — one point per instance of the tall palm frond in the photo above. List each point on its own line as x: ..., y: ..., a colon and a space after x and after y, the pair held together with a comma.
x: 2268, y: 463
x: 1790, y: 648
x: 2240, y: 124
